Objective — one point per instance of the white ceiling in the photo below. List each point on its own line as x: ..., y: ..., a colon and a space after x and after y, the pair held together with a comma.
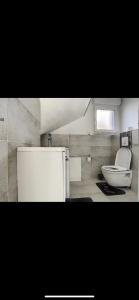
x: 108, y: 101
x: 57, y: 112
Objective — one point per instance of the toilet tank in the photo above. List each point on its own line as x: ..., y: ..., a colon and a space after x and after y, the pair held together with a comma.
x: 123, y: 158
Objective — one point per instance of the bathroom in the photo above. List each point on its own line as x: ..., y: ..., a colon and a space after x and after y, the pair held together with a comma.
x: 70, y: 123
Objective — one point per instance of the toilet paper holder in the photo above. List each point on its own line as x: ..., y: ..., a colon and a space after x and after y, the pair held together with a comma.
x: 89, y: 158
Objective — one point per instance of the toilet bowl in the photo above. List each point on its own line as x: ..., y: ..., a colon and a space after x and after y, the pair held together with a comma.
x: 120, y: 174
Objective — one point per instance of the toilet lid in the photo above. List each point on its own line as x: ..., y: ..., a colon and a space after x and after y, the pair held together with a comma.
x: 123, y: 158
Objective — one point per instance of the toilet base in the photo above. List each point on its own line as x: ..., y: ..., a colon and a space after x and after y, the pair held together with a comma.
x: 118, y: 179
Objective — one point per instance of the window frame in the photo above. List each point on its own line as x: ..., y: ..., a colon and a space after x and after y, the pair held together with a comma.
x: 110, y: 108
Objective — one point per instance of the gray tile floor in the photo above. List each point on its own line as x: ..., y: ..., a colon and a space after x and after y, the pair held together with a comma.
x: 90, y: 189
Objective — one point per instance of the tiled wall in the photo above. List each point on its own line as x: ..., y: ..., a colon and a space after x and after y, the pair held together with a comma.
x: 3, y: 170
x: 102, y: 149
x: 98, y: 146
x: 19, y: 128
x: 3, y: 150
x: 135, y: 156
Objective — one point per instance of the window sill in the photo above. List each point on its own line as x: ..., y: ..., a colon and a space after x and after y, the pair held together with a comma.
x: 105, y: 132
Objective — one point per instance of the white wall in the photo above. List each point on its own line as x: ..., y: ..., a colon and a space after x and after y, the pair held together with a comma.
x: 86, y: 124
x: 108, y: 101
x: 33, y: 106
x: 129, y: 113
x: 57, y: 112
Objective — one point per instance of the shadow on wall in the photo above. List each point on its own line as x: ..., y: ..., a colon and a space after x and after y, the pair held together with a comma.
x: 57, y: 112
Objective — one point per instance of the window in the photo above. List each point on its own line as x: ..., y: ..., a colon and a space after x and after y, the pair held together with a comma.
x: 105, y: 120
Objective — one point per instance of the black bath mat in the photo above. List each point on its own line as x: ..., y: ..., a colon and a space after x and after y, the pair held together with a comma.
x: 86, y: 199
x: 109, y: 190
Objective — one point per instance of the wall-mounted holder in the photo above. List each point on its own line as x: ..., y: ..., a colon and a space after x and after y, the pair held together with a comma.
x: 89, y: 158
x: 1, y: 119
x: 126, y: 139
x: 49, y: 140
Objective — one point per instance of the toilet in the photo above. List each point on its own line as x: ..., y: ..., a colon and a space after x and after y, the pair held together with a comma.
x: 120, y: 174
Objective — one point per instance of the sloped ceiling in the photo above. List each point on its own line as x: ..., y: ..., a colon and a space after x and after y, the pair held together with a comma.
x: 57, y: 112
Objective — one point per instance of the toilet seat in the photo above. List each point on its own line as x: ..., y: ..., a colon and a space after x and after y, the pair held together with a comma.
x: 119, y: 175
x: 122, y: 161
x: 123, y: 158
x: 114, y: 168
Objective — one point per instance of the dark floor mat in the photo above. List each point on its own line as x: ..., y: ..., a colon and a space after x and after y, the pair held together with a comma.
x: 109, y: 190
x: 86, y: 199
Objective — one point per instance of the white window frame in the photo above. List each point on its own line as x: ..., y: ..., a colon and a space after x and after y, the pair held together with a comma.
x: 106, y: 107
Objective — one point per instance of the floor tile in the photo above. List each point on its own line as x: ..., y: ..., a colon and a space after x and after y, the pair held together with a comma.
x: 89, y: 188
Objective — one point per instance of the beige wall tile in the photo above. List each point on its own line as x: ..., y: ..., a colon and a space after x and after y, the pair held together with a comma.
x: 3, y: 168
x: 3, y: 115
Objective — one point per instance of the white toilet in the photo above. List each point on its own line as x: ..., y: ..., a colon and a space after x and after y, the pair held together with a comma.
x: 120, y: 174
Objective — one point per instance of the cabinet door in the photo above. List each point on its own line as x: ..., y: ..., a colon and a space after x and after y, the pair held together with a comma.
x: 41, y: 177
x: 75, y: 168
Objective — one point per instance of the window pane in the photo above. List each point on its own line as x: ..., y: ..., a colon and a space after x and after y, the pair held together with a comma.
x: 105, y: 119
